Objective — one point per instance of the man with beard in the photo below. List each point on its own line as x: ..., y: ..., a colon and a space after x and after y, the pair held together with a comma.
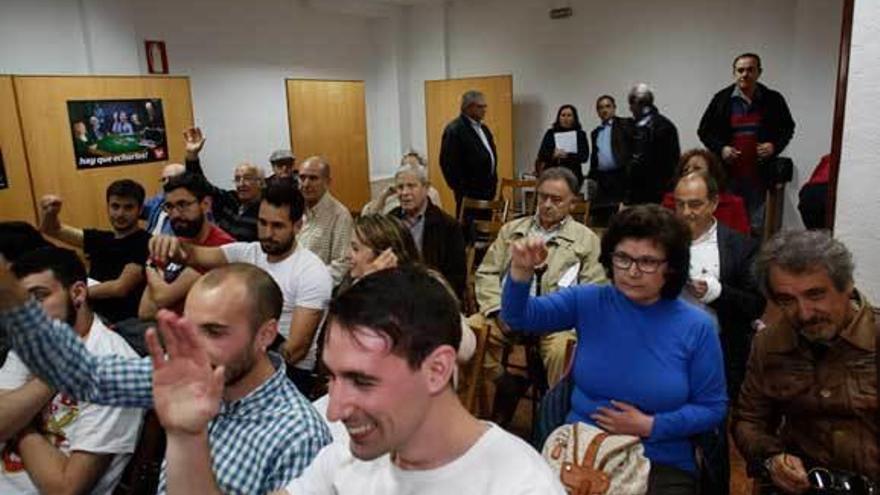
x: 234, y: 211
x: 117, y: 257
x: 153, y: 213
x: 809, y: 399
x: 187, y: 204
x: 265, y: 433
x: 55, y: 443
x: 304, y: 280
x: 391, y: 350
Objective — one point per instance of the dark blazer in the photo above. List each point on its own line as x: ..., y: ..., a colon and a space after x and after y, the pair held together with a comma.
x: 740, y: 302
x: 655, y: 155
x: 571, y: 161
x: 777, y: 126
x: 621, y: 131
x: 465, y: 162
x: 443, y: 246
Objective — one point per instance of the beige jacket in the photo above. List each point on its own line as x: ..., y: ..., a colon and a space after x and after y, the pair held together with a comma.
x: 574, y: 244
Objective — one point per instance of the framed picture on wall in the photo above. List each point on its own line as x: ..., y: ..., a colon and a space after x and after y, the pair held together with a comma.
x: 107, y: 133
x: 157, y: 58
x: 4, y: 181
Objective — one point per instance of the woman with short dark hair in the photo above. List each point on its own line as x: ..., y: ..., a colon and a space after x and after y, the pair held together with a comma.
x: 550, y: 155
x: 648, y: 363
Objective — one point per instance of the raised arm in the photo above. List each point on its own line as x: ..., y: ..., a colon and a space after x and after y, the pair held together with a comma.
x: 50, y: 224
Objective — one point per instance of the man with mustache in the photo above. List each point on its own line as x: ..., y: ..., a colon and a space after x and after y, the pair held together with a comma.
x: 187, y: 204
x: 116, y: 257
x: 809, y: 399
x: 304, y: 279
x: 747, y: 124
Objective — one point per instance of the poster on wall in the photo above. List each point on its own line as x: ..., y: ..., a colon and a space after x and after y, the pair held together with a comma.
x: 4, y: 182
x: 107, y: 133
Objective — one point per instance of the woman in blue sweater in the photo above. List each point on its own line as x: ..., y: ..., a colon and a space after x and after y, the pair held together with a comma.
x: 648, y: 363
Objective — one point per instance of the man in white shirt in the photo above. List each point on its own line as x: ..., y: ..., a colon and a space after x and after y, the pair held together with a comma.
x: 304, y: 279
x: 390, y: 351
x: 54, y: 443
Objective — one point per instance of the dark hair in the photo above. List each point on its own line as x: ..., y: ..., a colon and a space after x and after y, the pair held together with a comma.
x: 284, y: 191
x: 747, y: 55
x: 406, y: 304
x: 18, y: 238
x: 127, y: 188
x: 65, y: 265
x: 559, y: 173
x: 714, y: 165
x: 265, y: 295
x: 606, y: 97
x: 380, y: 232
x: 655, y: 223
x: 800, y: 251
x: 577, y: 121
x: 192, y: 182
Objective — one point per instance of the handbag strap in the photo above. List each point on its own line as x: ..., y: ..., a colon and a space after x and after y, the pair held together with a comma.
x: 592, y: 450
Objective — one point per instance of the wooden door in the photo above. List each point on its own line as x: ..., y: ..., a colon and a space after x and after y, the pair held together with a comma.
x: 443, y: 103
x: 16, y: 199
x: 329, y: 118
x: 46, y: 129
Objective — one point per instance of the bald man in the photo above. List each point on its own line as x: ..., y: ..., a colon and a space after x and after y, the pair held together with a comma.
x: 153, y: 213
x: 235, y: 211
x: 327, y: 223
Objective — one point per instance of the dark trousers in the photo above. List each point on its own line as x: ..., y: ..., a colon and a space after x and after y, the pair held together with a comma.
x: 667, y: 480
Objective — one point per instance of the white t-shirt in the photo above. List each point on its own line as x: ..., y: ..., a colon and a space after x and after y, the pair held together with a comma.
x: 73, y: 425
x: 304, y: 280
x: 497, y: 464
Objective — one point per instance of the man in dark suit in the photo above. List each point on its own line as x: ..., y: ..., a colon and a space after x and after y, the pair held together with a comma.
x: 437, y: 235
x: 610, y: 158
x: 721, y: 281
x: 655, y: 150
x: 467, y: 152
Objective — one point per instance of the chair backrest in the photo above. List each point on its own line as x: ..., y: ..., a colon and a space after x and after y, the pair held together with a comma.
x: 580, y: 211
x: 520, y: 195
x: 496, y: 209
x: 485, y: 232
x: 471, y: 373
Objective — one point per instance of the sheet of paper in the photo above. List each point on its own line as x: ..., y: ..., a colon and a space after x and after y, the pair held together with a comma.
x: 570, y: 276
x: 567, y: 141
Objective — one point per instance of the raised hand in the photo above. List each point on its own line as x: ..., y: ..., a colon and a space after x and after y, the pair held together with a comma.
x: 387, y: 259
x: 526, y: 255
x: 50, y: 207
x: 186, y: 389
x: 193, y: 140
x: 165, y: 249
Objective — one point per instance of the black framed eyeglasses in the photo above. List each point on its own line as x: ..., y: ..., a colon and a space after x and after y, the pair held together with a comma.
x: 645, y: 264
x: 179, y: 206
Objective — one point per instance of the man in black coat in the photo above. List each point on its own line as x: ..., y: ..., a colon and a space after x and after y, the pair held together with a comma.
x: 655, y: 149
x: 467, y: 153
x: 747, y: 125
x: 609, y: 159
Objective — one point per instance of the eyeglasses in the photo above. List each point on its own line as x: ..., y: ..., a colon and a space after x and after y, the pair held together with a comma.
x: 245, y: 178
x: 645, y: 264
x: 179, y: 206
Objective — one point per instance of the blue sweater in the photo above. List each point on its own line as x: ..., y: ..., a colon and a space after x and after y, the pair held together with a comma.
x: 664, y: 358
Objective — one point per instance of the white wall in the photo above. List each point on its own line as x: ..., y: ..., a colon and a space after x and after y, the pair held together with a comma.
x: 683, y: 48
x: 857, y: 222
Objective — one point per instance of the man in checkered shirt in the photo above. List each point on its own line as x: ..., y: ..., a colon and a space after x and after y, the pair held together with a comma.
x: 264, y: 433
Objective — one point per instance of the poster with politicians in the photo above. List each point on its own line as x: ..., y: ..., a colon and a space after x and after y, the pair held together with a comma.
x: 108, y: 133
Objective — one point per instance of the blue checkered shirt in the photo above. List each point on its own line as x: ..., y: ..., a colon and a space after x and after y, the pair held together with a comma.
x: 258, y: 443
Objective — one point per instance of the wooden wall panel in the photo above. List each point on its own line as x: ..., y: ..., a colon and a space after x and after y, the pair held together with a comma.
x: 47, y: 137
x: 329, y: 118
x: 443, y: 103
x: 16, y: 202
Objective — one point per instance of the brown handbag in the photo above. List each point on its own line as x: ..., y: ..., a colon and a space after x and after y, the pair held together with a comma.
x: 581, y: 478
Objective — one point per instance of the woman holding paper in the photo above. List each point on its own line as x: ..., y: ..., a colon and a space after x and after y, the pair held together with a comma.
x: 565, y: 144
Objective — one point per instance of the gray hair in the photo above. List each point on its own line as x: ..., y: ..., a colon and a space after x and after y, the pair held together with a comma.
x: 470, y: 97
x: 419, y: 171
x: 800, y: 251
x: 559, y: 173
x: 642, y: 94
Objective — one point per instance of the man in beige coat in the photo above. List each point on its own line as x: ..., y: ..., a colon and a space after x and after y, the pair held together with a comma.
x: 573, y: 259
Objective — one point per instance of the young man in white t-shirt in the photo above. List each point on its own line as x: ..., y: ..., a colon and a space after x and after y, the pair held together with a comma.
x: 390, y: 350
x: 77, y: 447
x: 304, y: 279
